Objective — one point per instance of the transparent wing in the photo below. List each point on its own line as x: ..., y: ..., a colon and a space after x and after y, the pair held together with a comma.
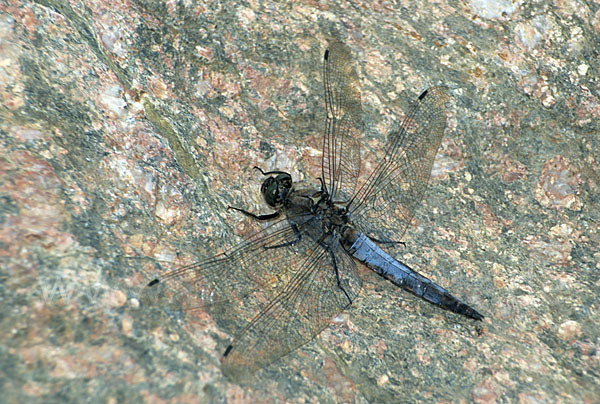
x: 237, y: 283
x: 303, y: 309
x: 343, y: 122
x: 389, y: 197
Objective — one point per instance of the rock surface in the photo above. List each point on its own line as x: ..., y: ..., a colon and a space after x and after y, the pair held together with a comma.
x: 126, y: 128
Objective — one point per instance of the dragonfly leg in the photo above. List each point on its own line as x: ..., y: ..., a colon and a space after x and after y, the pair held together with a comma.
x: 337, y: 273
x: 268, y: 172
x: 288, y: 243
x: 323, y: 189
x: 270, y: 216
x: 387, y: 242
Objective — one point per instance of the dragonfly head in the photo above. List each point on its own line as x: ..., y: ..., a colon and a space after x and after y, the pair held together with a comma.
x: 276, y: 189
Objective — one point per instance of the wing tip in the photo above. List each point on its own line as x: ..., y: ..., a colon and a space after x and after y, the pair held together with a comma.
x: 423, y: 94
x: 326, y: 56
x: 153, y: 282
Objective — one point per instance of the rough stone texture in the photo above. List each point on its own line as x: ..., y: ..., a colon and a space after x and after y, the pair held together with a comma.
x: 128, y: 127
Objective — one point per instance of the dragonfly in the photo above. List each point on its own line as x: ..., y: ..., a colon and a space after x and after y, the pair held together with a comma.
x: 284, y: 284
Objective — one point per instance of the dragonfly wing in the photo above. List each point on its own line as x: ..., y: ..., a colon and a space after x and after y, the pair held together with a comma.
x: 343, y: 122
x: 301, y: 311
x: 389, y: 197
x: 238, y: 282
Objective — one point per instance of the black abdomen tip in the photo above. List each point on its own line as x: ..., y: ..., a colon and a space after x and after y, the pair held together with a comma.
x: 227, y: 350
x: 475, y: 315
x: 153, y: 282
x: 423, y: 94
x: 326, y: 54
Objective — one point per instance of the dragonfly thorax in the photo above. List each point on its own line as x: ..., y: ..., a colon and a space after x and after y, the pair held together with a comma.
x: 276, y: 190
x: 333, y: 217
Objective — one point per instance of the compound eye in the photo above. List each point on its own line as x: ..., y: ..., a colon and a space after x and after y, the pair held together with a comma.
x: 270, y: 190
x: 266, y: 185
x: 285, y: 180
